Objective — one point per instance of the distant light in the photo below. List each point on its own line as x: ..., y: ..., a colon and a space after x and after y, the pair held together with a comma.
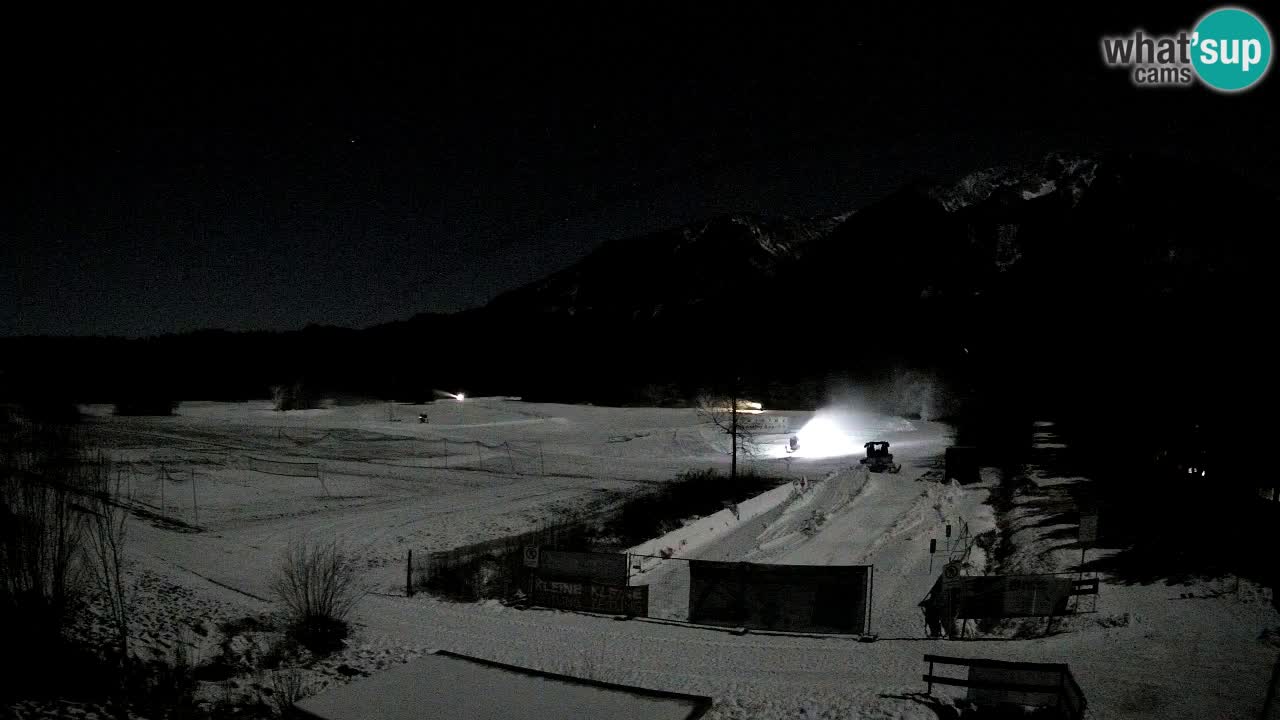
x: 749, y: 407
x: 461, y: 397
x: 826, y: 436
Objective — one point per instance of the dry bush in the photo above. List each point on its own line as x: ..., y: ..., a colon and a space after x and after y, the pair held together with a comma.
x: 142, y: 399
x: 167, y: 687
x: 288, y: 686
x: 107, y: 532
x: 295, y: 396
x: 42, y: 529
x: 317, y: 584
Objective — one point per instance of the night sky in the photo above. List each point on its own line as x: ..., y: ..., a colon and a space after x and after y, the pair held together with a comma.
x: 266, y: 173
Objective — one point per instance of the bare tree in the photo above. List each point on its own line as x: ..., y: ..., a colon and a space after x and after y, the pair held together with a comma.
x: 724, y: 412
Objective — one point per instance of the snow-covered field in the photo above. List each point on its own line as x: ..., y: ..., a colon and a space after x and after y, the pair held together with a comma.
x: 488, y: 467
x: 479, y: 469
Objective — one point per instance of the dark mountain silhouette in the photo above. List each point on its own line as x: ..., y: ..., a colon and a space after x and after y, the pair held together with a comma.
x: 1100, y: 275
x: 668, y: 272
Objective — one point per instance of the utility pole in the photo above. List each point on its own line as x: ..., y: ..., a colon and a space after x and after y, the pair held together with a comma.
x: 733, y: 431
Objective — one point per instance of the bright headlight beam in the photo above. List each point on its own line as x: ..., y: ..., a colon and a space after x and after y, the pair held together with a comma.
x: 825, y: 436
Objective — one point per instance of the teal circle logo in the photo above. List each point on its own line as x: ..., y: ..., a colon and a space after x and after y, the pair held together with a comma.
x: 1231, y: 49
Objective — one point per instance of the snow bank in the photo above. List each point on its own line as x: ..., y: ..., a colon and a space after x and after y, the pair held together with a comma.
x: 706, y: 530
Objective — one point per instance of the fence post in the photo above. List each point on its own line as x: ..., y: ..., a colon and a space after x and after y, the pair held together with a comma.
x: 1270, y: 699
x: 871, y: 591
x: 408, y: 575
x: 161, y: 476
x: 446, y: 451
x: 542, y: 461
x: 1062, y: 693
x: 479, y: 456
x: 195, y: 506
x: 509, y: 460
x: 930, y: 680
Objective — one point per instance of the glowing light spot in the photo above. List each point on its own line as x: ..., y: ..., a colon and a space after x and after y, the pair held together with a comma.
x: 825, y: 436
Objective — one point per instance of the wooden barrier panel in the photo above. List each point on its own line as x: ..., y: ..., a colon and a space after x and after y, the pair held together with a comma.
x: 609, y: 568
x: 798, y: 598
x: 1087, y: 586
x: 591, y: 597
x: 1008, y: 596
x: 994, y: 683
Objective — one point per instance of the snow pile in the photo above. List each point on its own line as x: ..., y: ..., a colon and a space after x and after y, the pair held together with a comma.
x: 803, y: 518
x: 686, y: 541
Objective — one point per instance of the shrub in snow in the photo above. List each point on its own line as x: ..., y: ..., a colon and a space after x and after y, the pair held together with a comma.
x: 318, y: 586
x: 144, y: 404
x: 286, y: 688
x: 166, y: 687
x: 293, y: 397
x: 43, y: 475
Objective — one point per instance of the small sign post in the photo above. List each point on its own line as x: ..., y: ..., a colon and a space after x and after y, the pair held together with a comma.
x: 1088, y: 534
x: 951, y: 575
x: 531, y: 556
x: 933, y: 547
x: 1088, y: 528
